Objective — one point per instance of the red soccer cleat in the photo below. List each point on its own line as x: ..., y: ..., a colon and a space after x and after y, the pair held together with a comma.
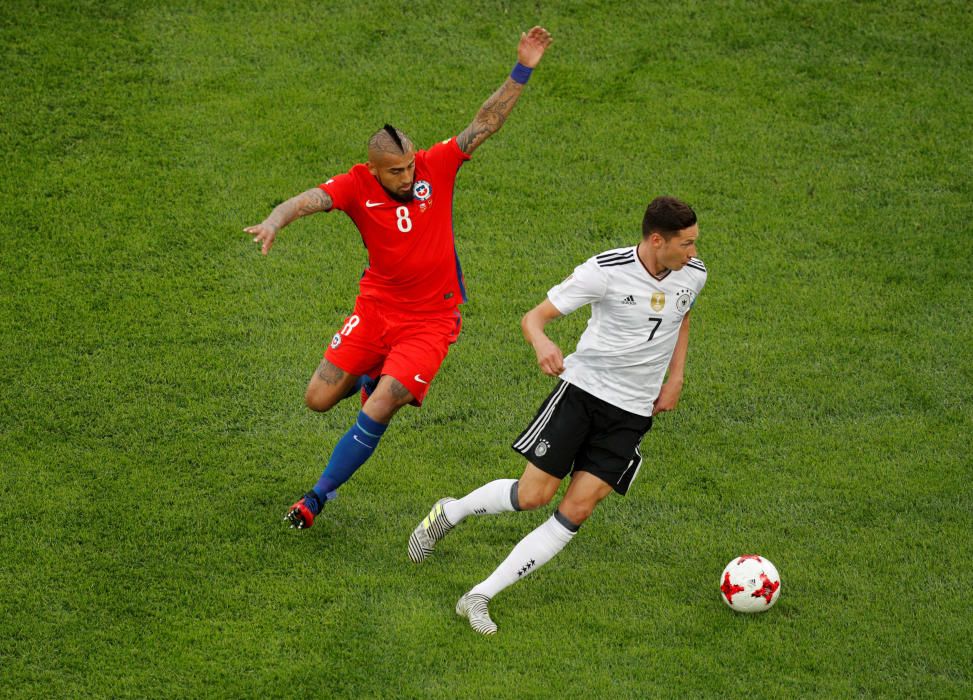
x: 301, y: 515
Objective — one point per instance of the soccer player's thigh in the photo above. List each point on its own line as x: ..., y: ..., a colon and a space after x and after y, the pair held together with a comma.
x: 417, y: 350
x: 611, y: 452
x: 550, y: 443
x: 355, y: 349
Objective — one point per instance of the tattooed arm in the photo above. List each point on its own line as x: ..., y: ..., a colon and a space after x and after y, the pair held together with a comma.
x: 497, y: 108
x: 310, y: 202
x: 491, y: 116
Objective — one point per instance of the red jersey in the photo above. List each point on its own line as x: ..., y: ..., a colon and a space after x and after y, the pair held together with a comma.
x: 412, y: 261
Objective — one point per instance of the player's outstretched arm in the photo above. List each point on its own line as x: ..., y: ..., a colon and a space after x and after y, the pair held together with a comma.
x: 497, y: 108
x: 668, y: 397
x: 310, y: 202
x: 549, y: 356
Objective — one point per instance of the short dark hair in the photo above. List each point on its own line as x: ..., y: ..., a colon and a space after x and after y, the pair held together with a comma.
x: 667, y: 216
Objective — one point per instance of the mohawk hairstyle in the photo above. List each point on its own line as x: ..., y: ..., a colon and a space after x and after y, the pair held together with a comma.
x: 388, y: 139
x: 394, y: 133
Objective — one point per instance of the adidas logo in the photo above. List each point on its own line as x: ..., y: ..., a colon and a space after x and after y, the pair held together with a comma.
x: 630, y: 300
x: 525, y: 568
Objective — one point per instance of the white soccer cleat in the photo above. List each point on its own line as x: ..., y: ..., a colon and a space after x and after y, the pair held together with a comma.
x: 473, y: 606
x: 427, y: 533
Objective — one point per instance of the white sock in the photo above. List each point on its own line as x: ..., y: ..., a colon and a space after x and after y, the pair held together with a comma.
x: 531, y: 553
x: 489, y: 499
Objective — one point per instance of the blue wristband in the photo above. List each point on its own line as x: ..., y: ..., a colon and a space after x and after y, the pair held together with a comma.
x: 521, y: 73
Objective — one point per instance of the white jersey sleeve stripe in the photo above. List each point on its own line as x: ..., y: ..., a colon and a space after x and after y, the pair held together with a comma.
x: 607, y: 257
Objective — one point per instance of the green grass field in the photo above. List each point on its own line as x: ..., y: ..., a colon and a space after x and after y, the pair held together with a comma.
x: 152, y: 430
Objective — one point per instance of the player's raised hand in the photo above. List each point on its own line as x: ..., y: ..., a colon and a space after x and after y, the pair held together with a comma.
x: 264, y: 234
x: 532, y: 46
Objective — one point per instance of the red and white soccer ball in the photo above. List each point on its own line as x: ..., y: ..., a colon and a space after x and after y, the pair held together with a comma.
x: 750, y: 584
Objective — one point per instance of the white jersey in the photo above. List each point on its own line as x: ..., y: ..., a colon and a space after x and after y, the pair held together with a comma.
x: 624, y: 352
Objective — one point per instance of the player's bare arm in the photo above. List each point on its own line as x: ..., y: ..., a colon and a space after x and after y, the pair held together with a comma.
x: 549, y: 356
x: 309, y: 202
x: 668, y: 397
x: 497, y: 108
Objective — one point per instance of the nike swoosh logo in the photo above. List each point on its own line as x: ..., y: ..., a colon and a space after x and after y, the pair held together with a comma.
x: 370, y: 204
x: 420, y: 379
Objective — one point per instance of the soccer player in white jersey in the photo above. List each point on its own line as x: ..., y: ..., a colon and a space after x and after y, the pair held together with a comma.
x: 592, y: 423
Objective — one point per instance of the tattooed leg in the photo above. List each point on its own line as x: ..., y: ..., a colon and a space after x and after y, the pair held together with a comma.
x: 389, y: 396
x: 328, y: 386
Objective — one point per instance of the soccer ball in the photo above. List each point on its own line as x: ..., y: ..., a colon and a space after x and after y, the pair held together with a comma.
x: 750, y: 584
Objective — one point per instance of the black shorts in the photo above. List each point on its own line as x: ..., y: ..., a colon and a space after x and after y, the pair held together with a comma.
x: 574, y: 430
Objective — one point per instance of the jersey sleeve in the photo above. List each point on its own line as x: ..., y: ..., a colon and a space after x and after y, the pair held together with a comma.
x: 699, y: 280
x: 343, y: 190
x: 446, y: 155
x: 586, y: 284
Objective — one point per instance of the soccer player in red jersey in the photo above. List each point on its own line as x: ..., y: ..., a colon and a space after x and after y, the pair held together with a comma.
x: 406, y: 315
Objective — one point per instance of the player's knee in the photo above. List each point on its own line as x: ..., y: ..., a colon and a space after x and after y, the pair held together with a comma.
x: 381, y: 408
x: 387, y: 399
x: 576, y: 512
x: 318, y: 401
x: 532, y: 499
